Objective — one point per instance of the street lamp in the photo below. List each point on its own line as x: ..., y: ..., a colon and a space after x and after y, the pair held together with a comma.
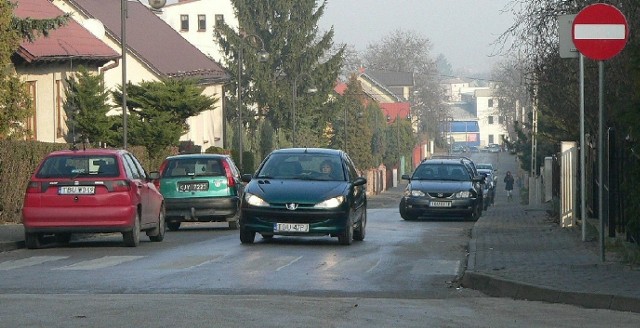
x: 155, y: 4
x: 311, y: 89
x: 263, y: 56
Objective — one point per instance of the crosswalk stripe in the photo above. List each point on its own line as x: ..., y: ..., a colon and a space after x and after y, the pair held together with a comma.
x: 100, y: 263
x: 34, y: 260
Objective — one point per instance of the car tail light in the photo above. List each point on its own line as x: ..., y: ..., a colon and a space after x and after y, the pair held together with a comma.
x: 231, y: 182
x: 34, y: 187
x: 120, y: 185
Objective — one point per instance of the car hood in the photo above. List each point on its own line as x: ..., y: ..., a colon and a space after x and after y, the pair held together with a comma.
x: 440, y: 186
x: 296, y: 191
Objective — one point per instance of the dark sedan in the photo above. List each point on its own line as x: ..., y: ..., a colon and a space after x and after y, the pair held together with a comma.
x: 304, y: 192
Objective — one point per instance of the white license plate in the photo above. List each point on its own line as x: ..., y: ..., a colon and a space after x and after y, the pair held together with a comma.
x: 77, y: 190
x: 290, y: 227
x: 440, y: 204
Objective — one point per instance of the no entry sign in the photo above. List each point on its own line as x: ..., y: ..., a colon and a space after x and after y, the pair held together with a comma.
x: 600, y: 31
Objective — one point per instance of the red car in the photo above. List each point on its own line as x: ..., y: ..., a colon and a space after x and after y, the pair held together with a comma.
x: 92, y: 191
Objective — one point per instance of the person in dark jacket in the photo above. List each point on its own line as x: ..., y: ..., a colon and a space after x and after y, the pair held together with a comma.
x: 508, y: 184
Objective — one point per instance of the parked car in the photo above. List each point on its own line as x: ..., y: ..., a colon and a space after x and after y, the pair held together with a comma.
x: 91, y: 191
x: 200, y: 188
x: 442, y: 187
x: 489, y: 186
x: 295, y: 193
x: 494, y: 148
x: 489, y: 166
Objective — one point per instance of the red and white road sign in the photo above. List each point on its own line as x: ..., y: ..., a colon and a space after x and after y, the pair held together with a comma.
x: 600, y: 31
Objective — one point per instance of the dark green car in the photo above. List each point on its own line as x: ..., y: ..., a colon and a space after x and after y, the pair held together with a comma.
x: 304, y: 192
x: 200, y: 188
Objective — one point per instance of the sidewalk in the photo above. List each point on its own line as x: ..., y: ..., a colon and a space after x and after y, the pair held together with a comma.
x: 515, y: 251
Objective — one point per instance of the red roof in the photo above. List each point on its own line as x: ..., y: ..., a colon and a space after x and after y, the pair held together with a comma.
x: 340, y: 88
x: 69, y: 41
x: 393, y: 110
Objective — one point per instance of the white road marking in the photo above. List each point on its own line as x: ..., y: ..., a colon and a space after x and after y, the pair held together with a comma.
x: 374, y: 266
x: 34, y: 260
x: 288, y: 264
x: 100, y: 263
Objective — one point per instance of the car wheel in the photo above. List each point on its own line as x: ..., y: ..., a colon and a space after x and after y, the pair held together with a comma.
x: 346, y: 237
x: 234, y: 224
x: 173, y: 225
x: 247, y: 236
x: 32, y: 240
x: 360, y: 232
x: 63, y: 238
x: 132, y: 238
x: 475, y: 215
x: 157, y: 233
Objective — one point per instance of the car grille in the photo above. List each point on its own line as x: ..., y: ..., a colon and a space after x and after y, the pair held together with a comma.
x: 440, y: 194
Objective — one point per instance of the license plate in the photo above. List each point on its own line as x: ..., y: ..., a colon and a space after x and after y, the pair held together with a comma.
x: 440, y: 204
x: 198, y: 186
x: 77, y: 190
x: 290, y: 227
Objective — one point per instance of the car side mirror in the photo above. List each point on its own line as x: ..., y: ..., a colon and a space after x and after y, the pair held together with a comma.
x: 154, y: 175
x: 359, y: 181
x: 405, y: 177
x: 246, y: 177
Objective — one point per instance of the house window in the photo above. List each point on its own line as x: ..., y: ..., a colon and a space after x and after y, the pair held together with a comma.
x: 490, y: 119
x: 32, y: 121
x: 184, y: 22
x: 500, y: 119
x: 59, y: 111
x: 219, y: 19
x: 202, y: 23
x: 491, y: 139
x: 490, y: 102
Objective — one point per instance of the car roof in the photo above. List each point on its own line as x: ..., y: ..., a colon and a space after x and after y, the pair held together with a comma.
x: 195, y: 156
x: 89, y: 151
x: 327, y: 151
x: 442, y: 161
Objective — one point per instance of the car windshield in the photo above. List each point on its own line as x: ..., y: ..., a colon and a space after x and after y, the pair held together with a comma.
x: 72, y: 166
x: 305, y: 166
x: 182, y: 167
x: 451, y: 172
x: 484, y: 166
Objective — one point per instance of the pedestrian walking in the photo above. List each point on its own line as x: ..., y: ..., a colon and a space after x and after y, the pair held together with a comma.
x: 508, y: 185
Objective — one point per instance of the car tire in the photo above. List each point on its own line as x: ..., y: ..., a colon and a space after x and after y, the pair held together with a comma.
x: 247, y: 236
x: 361, y: 231
x: 346, y: 237
x: 132, y: 238
x: 234, y: 224
x: 173, y: 225
x: 63, y: 238
x: 32, y: 240
x: 157, y: 233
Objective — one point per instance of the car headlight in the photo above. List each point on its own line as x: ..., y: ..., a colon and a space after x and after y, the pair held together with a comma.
x: 330, y: 203
x: 254, y: 200
x: 463, y: 194
x: 417, y: 193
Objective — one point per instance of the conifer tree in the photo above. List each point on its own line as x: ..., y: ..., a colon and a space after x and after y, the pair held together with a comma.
x: 86, y: 108
x: 290, y: 35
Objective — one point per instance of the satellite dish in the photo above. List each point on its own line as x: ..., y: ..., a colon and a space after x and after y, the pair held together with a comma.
x: 157, y: 4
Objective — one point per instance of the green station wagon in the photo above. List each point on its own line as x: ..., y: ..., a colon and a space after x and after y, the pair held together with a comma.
x: 200, y: 188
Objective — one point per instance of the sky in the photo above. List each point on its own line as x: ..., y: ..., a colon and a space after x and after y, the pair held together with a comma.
x: 461, y: 30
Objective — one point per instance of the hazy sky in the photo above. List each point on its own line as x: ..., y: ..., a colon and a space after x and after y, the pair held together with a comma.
x: 462, y: 30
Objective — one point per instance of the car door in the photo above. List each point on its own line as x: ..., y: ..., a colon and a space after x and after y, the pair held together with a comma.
x: 143, y: 189
x: 359, y: 192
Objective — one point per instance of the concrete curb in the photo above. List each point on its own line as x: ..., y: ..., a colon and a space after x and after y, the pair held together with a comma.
x: 10, y: 246
x: 500, y: 287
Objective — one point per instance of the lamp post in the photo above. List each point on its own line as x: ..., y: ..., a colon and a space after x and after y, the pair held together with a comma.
x: 263, y: 56
x: 155, y: 4
x: 294, y: 95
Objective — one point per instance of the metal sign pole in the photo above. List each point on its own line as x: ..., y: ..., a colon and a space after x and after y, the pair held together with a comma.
x: 583, y: 149
x: 601, y: 155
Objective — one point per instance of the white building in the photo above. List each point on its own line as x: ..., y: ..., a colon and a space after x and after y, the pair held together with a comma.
x: 493, y: 128
x: 196, y: 19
